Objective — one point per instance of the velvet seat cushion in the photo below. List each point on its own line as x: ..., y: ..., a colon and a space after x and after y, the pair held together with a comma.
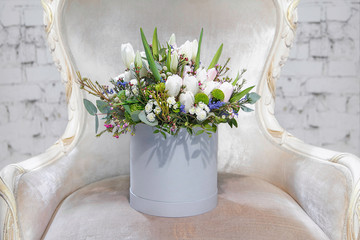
x: 248, y: 208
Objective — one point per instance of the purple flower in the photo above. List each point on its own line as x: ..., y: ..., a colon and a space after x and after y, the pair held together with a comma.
x: 182, y: 108
x: 215, y: 105
x: 123, y: 84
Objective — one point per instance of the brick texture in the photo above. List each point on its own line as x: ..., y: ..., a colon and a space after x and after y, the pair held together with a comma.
x: 317, y: 95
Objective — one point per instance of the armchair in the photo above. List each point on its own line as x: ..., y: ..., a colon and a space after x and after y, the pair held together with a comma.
x: 271, y: 184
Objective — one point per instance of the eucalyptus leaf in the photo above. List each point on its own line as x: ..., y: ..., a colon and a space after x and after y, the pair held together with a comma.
x: 127, y: 109
x: 103, y: 106
x: 246, y: 109
x: 142, y: 117
x: 253, y: 97
x: 150, y: 57
x: 96, y: 123
x: 199, y: 132
x: 216, y: 57
x: 240, y: 95
x: 135, y: 116
x: 90, y: 107
x: 197, y: 60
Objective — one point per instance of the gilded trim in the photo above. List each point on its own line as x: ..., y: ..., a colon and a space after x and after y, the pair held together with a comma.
x: 48, y: 14
x: 354, y: 214
x: 11, y: 227
x: 291, y: 13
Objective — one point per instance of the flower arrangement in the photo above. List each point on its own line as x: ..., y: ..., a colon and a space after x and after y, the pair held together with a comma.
x: 168, y: 88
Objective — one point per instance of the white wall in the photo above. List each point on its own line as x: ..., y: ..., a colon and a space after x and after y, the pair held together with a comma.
x: 318, y: 93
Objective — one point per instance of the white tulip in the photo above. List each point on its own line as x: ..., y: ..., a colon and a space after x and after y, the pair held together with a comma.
x: 194, y: 49
x: 187, y: 69
x: 201, y: 75
x: 173, y: 85
x: 191, y: 84
x: 127, y: 76
x: 209, y: 86
x: 138, y: 60
x: 227, y: 89
x: 172, y: 40
x: 127, y: 54
x: 174, y: 62
x: 211, y: 74
x: 187, y: 99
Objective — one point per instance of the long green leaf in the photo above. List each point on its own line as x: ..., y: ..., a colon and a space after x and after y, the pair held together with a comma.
x: 96, y: 123
x: 236, y: 79
x: 197, y: 60
x: 150, y: 57
x: 168, y: 59
x: 216, y: 57
x: 155, y: 44
x: 240, y: 95
x: 90, y: 107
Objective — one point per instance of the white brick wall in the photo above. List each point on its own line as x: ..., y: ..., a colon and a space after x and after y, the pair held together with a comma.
x: 318, y: 93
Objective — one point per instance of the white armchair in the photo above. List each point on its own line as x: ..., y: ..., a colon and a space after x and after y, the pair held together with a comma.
x: 271, y: 185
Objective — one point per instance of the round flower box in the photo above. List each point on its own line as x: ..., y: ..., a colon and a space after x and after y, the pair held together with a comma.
x: 172, y: 177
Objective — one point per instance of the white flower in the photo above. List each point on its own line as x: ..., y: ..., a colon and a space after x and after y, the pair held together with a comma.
x: 172, y: 40
x: 127, y: 76
x: 209, y: 86
x: 175, y: 106
x: 227, y: 89
x: 187, y: 69
x: 211, y: 74
x: 192, y: 110
x: 173, y: 85
x: 174, y: 62
x: 207, y: 109
x: 201, y: 105
x: 148, y: 107
x: 151, y: 117
x: 191, y: 84
x: 138, y: 60
x: 134, y: 81
x: 135, y: 91
x: 127, y: 54
x: 189, y: 49
x: 171, y: 101
x: 157, y: 110
x: 127, y: 93
x: 198, y: 110
x: 187, y: 99
x: 201, y: 115
x: 201, y: 75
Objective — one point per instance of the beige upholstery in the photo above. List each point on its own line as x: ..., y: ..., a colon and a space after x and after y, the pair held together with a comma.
x: 248, y: 208
x: 316, y: 188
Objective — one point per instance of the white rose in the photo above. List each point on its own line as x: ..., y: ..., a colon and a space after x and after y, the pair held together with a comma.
x: 134, y: 81
x: 187, y: 99
x: 201, y: 116
x: 227, y: 89
x: 209, y: 86
x: 151, y: 117
x: 127, y: 54
x: 173, y: 85
x: 198, y: 110
x: 191, y: 84
x: 207, y: 109
x: 201, y: 105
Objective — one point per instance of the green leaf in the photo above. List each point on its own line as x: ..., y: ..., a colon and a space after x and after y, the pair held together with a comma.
x: 164, y: 134
x: 240, y: 95
x: 155, y: 44
x: 90, y: 107
x: 156, y: 131
x: 234, y: 122
x: 236, y: 79
x: 246, y: 109
x: 103, y: 106
x: 189, y: 131
x: 149, y: 57
x: 127, y: 109
x: 197, y: 60
x: 199, y: 132
x: 135, y: 116
x: 143, y: 118
x: 216, y: 57
x: 253, y: 97
x: 168, y: 58
x: 96, y: 123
